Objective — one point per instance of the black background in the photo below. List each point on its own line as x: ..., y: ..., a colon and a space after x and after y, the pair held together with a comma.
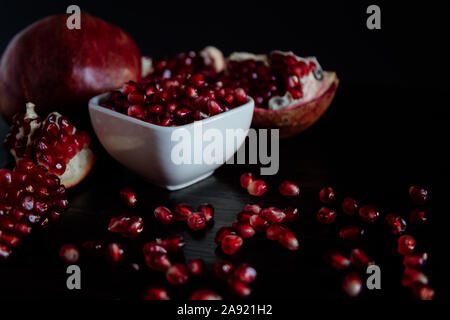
x: 386, y: 129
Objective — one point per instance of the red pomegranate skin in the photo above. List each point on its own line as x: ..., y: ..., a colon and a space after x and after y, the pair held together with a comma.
x: 59, y: 69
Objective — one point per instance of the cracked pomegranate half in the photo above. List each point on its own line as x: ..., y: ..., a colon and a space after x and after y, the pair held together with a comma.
x: 53, y: 143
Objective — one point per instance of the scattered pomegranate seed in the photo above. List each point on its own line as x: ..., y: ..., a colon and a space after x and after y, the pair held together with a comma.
x: 273, y: 214
x: 326, y: 215
x: 422, y: 292
x: 395, y: 223
x: 129, y: 227
x: 418, y: 195
x: 369, y: 213
x: 351, y: 233
x: 196, y: 221
x: 231, y: 244
x: 326, y: 195
x: 415, y: 261
x: 259, y: 223
x: 172, y: 244
x: 274, y: 231
x: 359, y: 259
x: 349, y: 206
x: 222, y: 232
x: 128, y: 196
x: 352, y: 284
x: 292, y: 214
x: 204, y: 294
x: 158, y: 261
x: 289, y: 240
x: 417, y: 217
x: 246, y: 178
x: 245, y: 273
x: 239, y: 288
x: 153, y: 247
x: 182, y: 211
x: 406, y: 245
x: 337, y: 261
x: 196, y: 267
x: 69, y: 253
x: 257, y: 188
x: 164, y: 215
x: 154, y: 293
x: 177, y: 274
x: 289, y: 188
x: 244, y: 230
x: 114, y: 253
x: 207, y: 210
x: 412, y: 277
x: 93, y: 248
x: 223, y: 269
x: 252, y: 208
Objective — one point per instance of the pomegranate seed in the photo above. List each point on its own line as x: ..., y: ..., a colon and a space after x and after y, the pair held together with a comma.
x: 274, y: 231
x: 326, y: 195
x: 415, y: 261
x: 418, y: 195
x: 352, y: 284
x: 239, y: 288
x: 164, y: 215
x: 196, y: 221
x: 245, y: 273
x: 288, y: 240
x: 243, y: 217
x: 406, y: 245
x: 93, y: 248
x: 259, y: 223
x: 422, y: 292
x: 273, y: 214
x: 349, y: 206
x: 291, y: 214
x: 231, y: 244
x: 288, y: 188
x: 158, y: 261
x: 417, y: 217
x: 360, y: 259
x: 182, y: 211
x: 222, y: 232
x: 369, y: 213
x: 326, y: 215
x: 240, y: 95
x: 151, y: 248
x: 395, y: 224
x: 244, y: 230
x: 223, y: 269
x: 338, y: 261
x: 208, y: 211
x: 177, y: 274
x: 257, y: 188
x: 196, y: 267
x: 204, y: 294
x: 114, y: 253
x: 252, y: 208
x: 172, y: 244
x: 129, y: 227
x: 69, y: 253
x: 128, y: 197
x: 155, y: 293
x: 412, y: 277
x: 351, y: 233
x: 246, y: 178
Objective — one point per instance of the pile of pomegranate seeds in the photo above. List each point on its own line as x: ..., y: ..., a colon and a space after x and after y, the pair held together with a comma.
x: 128, y: 197
x: 69, y: 253
x: 30, y: 197
x: 238, y: 279
x: 196, y: 220
x: 129, y: 227
x: 254, y: 187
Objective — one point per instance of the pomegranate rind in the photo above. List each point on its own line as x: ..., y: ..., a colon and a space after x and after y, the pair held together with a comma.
x: 78, y: 168
x: 300, y: 116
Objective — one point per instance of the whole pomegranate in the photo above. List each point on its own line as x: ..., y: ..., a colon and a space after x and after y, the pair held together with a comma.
x: 59, y: 68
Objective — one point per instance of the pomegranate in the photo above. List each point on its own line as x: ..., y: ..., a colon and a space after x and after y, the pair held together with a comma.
x: 129, y: 227
x: 30, y: 197
x: 274, y: 231
x: 273, y: 214
x: 288, y: 240
x: 259, y: 223
x: 292, y: 214
x: 172, y: 244
x: 349, y: 206
x: 204, y: 294
x: 326, y: 215
x: 196, y: 221
x: 418, y: 195
x: 257, y: 188
x: 252, y: 208
x: 69, y: 253
x: 208, y: 211
x: 245, y: 273
x: 352, y: 284
x: 128, y: 197
x: 395, y: 223
x: 326, y: 195
x: 246, y: 178
x: 406, y: 245
x: 154, y: 293
x: 182, y: 211
x: 289, y: 189
x: 164, y: 215
x: 177, y: 274
x: 231, y: 244
x: 238, y: 288
x: 114, y: 253
x: 360, y: 259
x: 415, y: 261
x: 196, y: 267
x: 53, y: 143
x: 60, y: 69
x: 369, y: 213
x: 337, y: 260
x: 222, y: 232
x: 244, y: 230
x: 223, y: 269
x: 351, y: 233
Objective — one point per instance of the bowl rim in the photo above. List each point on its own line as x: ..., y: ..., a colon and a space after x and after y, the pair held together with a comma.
x: 94, y: 103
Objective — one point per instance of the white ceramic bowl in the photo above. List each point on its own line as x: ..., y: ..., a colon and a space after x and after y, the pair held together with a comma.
x: 147, y: 148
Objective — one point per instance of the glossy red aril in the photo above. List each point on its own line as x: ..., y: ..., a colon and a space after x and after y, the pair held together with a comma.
x: 196, y: 267
x: 164, y: 215
x: 177, y: 274
x: 252, y: 209
x: 289, y: 188
x: 359, y: 259
x: 413, y: 277
x: 196, y: 221
x: 406, y: 245
x: 69, y: 253
x: 326, y: 215
x: 338, y: 261
x: 349, y: 206
x: 369, y: 213
x: 208, y: 210
x: 415, y: 261
x: 172, y: 244
x: 257, y: 188
x: 352, y: 284
x: 129, y: 227
x: 418, y: 195
x: 238, y: 288
x: 114, y: 253
x: 395, y: 224
x: 422, y: 292
x: 205, y: 294
x: 289, y: 240
x: 231, y: 244
x: 351, y: 232
x: 245, y: 273
x: 244, y: 230
x: 93, y: 247
x: 246, y: 178
x: 158, y: 261
x: 292, y: 214
x: 182, y: 211
x: 155, y: 293
x: 128, y: 197
x: 327, y: 195
x: 150, y: 248
x: 273, y: 214
x: 222, y: 232
x: 259, y: 223
x: 223, y: 269
x: 273, y: 232
x: 417, y: 217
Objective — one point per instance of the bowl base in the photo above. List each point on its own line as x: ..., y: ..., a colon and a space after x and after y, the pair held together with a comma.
x: 187, y: 184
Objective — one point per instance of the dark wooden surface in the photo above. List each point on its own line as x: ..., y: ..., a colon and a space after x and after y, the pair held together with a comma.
x: 373, y: 143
